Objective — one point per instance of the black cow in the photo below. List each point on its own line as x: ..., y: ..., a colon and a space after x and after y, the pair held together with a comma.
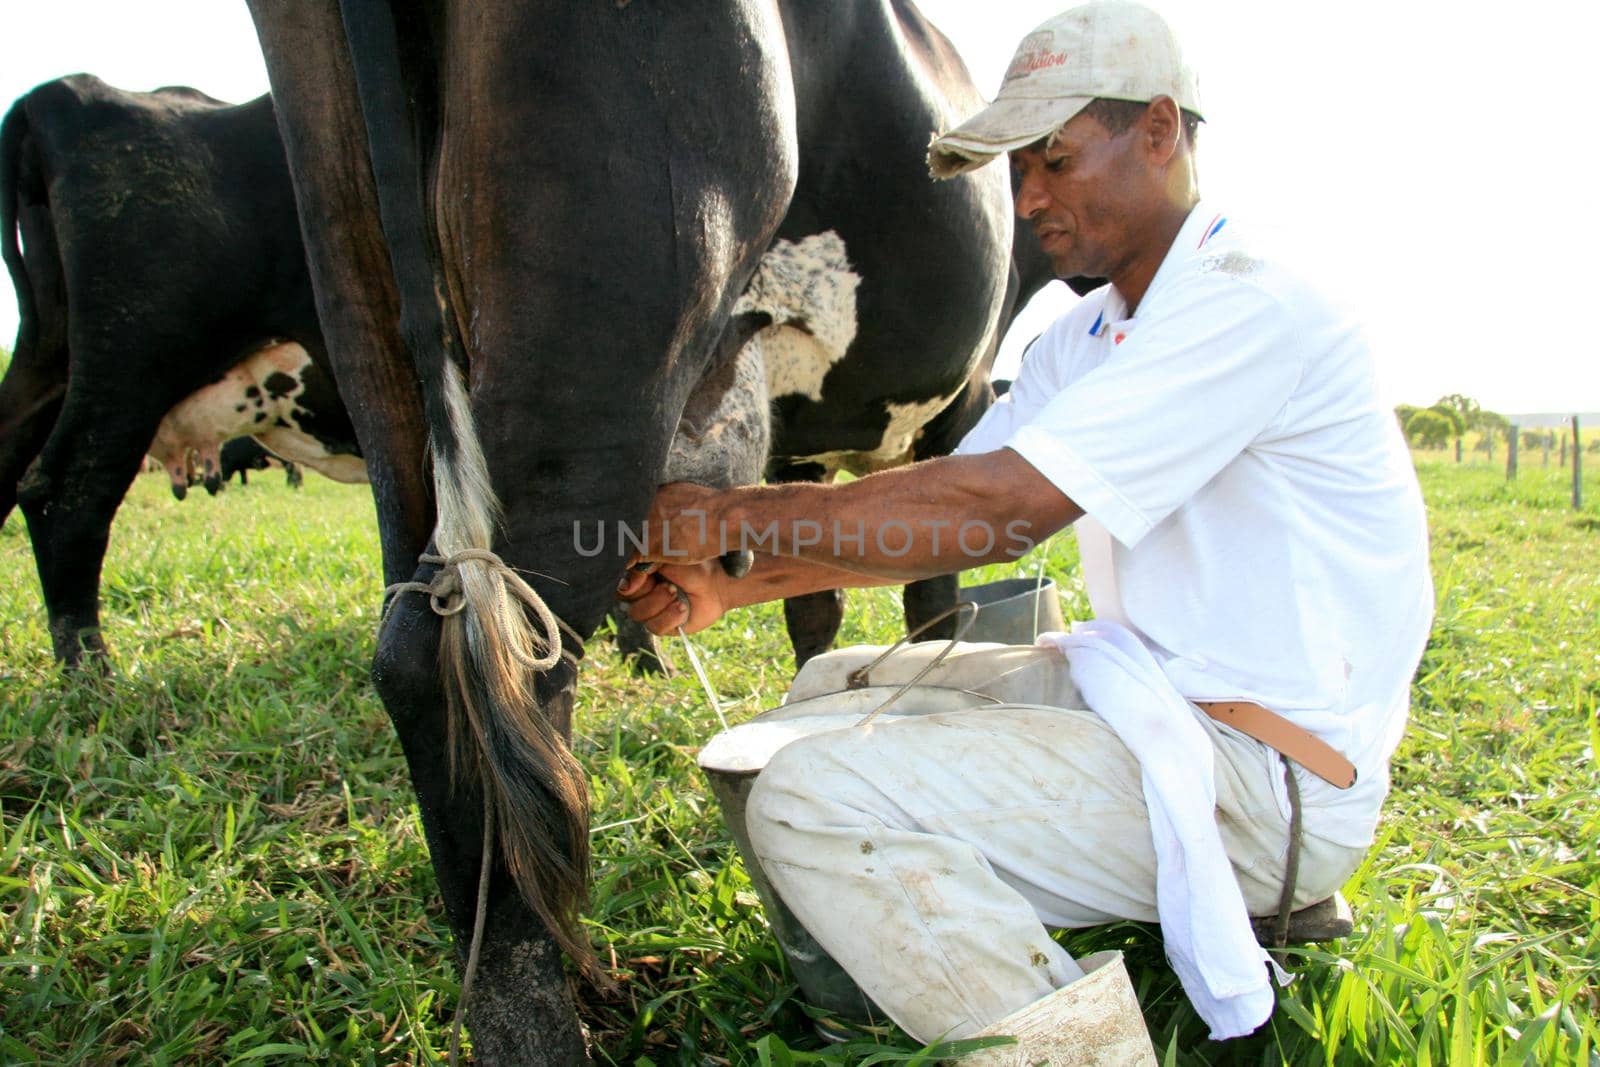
x: 240, y: 456
x: 245, y: 454
x: 540, y: 265
x: 165, y: 307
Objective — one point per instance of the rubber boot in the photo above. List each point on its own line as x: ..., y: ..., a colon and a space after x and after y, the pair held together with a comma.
x: 1094, y: 1022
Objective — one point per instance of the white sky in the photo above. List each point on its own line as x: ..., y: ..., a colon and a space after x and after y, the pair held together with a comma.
x: 1431, y: 155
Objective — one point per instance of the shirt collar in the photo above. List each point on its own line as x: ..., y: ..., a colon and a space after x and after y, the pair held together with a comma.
x: 1114, y: 309
x: 1199, y: 229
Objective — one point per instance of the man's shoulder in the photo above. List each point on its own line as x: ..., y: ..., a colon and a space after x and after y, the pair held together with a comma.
x: 1270, y: 259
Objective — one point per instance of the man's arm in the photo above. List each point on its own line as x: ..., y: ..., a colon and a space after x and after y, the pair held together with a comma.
x: 931, y: 518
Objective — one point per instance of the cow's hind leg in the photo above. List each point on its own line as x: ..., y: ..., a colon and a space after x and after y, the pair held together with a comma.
x: 520, y: 993
x: 36, y: 381
x: 30, y: 402
x: 70, y: 495
x: 924, y: 600
x: 813, y: 621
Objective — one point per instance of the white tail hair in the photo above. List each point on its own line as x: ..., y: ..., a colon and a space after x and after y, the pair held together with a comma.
x: 490, y: 654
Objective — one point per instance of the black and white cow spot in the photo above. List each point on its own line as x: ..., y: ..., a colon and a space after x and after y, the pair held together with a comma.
x: 263, y: 388
x: 809, y: 289
x: 279, y: 385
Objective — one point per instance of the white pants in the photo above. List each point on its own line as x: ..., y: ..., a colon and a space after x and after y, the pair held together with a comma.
x: 929, y: 854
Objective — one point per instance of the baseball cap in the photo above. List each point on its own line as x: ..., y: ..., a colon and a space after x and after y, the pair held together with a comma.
x: 1109, y: 48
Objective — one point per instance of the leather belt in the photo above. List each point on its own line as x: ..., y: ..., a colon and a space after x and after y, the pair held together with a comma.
x: 1283, y: 736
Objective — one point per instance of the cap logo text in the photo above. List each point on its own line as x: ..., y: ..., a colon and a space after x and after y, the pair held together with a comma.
x: 1034, y: 54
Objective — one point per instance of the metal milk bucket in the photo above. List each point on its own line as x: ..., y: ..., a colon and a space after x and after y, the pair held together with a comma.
x: 1013, y: 611
x: 734, y: 758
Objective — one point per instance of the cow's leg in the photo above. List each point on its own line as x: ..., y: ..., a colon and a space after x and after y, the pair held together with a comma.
x: 812, y: 620
x: 924, y: 600
x: 70, y: 495
x: 30, y: 402
x: 637, y: 646
x: 521, y: 1010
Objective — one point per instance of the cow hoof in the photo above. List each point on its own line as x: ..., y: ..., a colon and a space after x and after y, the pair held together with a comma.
x: 92, y: 665
x: 81, y: 651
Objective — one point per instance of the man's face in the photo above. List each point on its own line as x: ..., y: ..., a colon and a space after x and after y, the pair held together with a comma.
x: 1083, y: 196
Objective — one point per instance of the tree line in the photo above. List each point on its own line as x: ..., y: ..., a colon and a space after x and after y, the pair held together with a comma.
x: 1453, y: 416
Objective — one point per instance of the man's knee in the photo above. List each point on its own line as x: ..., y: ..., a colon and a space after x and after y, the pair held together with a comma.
x: 808, y: 784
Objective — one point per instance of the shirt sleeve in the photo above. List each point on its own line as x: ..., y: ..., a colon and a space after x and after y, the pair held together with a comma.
x: 1039, y: 377
x: 1187, y: 391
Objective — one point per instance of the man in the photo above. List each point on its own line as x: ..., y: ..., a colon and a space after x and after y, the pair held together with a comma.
x: 1255, y: 550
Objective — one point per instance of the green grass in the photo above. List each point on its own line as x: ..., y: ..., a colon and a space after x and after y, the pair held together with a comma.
x: 216, y: 857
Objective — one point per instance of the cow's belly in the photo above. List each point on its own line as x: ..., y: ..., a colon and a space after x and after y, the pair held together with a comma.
x: 302, y: 448
x: 897, y: 446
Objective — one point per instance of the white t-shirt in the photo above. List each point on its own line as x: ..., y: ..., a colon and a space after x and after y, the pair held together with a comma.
x: 1251, y: 508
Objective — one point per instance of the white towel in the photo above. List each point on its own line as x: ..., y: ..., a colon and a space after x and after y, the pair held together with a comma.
x: 1204, y: 922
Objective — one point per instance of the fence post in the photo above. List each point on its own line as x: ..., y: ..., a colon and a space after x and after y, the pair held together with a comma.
x: 1458, y: 450
x: 1547, y: 439
x: 1563, y: 462
x: 1577, y: 467
x: 1511, y: 453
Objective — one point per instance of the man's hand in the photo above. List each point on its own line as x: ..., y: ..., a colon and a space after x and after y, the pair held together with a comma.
x: 684, y: 526
x: 673, y: 596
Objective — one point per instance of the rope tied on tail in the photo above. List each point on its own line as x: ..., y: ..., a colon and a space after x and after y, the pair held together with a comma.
x: 447, y: 597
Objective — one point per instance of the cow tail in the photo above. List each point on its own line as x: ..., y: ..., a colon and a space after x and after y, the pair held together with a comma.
x: 36, y: 379
x: 500, y: 738
x: 13, y: 129
x: 498, y: 732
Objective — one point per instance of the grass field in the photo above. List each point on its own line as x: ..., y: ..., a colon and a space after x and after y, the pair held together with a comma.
x: 215, y: 858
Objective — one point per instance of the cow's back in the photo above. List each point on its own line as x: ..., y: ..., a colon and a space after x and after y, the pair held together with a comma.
x: 173, y: 213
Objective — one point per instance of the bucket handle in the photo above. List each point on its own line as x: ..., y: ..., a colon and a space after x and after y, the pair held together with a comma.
x: 860, y: 678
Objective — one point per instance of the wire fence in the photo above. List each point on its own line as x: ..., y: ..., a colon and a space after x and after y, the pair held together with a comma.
x: 1571, y: 451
